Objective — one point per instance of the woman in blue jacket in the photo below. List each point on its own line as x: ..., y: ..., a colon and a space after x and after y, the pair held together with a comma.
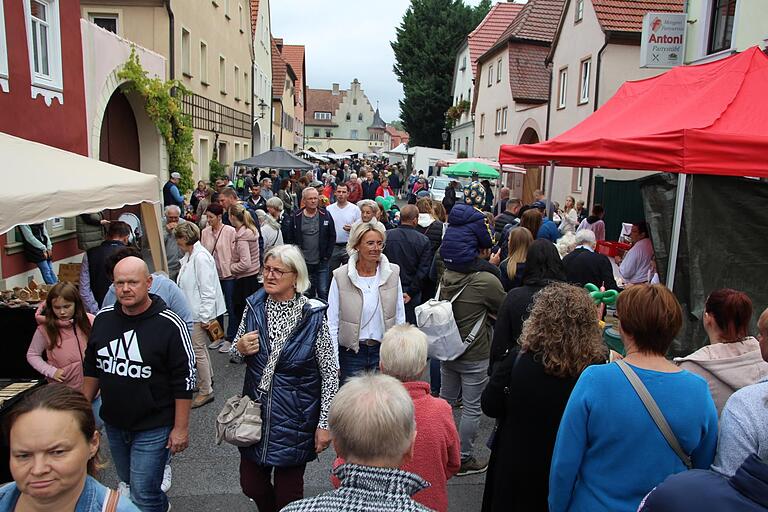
x: 609, y: 452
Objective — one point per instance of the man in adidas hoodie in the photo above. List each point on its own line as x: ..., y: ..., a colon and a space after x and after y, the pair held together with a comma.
x: 140, y: 356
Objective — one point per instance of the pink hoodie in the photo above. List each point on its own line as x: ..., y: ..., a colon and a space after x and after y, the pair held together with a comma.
x: 67, y: 355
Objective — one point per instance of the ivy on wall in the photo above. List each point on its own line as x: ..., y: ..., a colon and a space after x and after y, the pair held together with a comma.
x: 163, y: 106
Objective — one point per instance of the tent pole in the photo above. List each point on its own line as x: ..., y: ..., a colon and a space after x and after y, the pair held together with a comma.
x: 677, y: 222
x: 550, y: 180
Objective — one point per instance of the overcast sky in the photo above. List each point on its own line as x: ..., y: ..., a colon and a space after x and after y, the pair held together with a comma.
x: 346, y: 39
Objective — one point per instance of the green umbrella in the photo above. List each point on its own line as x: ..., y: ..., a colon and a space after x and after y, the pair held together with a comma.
x: 472, y: 169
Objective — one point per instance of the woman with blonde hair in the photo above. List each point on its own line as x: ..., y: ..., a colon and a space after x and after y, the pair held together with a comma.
x: 569, y: 218
x: 528, y: 391
x: 246, y: 263
x: 512, y: 268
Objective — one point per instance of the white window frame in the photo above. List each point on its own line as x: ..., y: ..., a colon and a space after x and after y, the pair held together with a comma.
x: 322, y: 116
x: 3, y: 54
x: 93, y: 15
x: 204, y: 159
x: 247, y: 87
x: 577, y: 179
x: 240, y: 17
x: 237, y: 82
x: 504, y: 112
x: 482, y: 125
x: 186, y: 58
x: 578, y: 11
x: 204, y: 63
x: 497, y: 129
x: 353, y: 134
x: 562, y: 87
x: 490, y: 75
x: 498, y: 71
x: 226, y: 10
x: 52, y: 85
x: 222, y: 74
x: 237, y: 152
x: 584, y: 80
x: 246, y: 153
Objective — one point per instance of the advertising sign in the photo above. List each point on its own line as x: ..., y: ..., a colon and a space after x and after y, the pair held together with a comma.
x: 663, y: 40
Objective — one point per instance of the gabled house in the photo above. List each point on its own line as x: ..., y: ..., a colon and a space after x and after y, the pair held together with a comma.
x: 464, y: 74
x: 262, y: 74
x: 595, y: 50
x: 718, y: 28
x: 294, y: 55
x: 512, y: 89
x: 283, y: 100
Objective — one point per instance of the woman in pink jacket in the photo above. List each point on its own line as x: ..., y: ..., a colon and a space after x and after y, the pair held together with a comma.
x: 218, y: 238
x: 246, y: 264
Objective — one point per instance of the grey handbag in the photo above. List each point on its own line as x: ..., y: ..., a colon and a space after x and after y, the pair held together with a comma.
x: 239, y: 422
x: 655, y: 412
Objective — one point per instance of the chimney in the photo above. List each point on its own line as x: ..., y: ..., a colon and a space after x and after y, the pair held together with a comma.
x: 335, y: 89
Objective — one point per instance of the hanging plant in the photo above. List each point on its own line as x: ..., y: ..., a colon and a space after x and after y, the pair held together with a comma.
x: 164, y: 107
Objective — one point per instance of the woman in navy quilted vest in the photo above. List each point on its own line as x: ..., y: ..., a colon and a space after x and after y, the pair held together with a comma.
x: 293, y: 372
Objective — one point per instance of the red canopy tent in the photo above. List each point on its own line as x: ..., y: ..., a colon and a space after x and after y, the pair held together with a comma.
x: 706, y: 119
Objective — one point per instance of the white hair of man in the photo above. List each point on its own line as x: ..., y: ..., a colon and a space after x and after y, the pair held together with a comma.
x: 307, y: 191
x: 403, y: 352
x: 276, y: 203
x: 353, y: 176
x: 372, y: 419
x: 172, y: 208
x: 291, y: 257
x: 359, y: 229
x: 586, y: 237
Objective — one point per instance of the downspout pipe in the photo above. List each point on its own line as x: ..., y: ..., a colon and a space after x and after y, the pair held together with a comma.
x: 171, y: 40
x: 253, y: 112
x: 594, y: 109
x: 546, y: 130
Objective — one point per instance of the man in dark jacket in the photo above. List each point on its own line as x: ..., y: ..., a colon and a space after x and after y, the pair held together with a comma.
x: 412, y: 251
x: 583, y: 265
x: 468, y: 231
x: 313, y: 231
x: 171, y: 194
x: 94, y: 280
x: 706, y: 491
x: 140, y: 357
x: 508, y: 216
x: 369, y: 186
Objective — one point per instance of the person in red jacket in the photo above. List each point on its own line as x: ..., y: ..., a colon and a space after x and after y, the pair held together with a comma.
x: 384, y: 190
x: 437, y: 450
x: 355, y: 189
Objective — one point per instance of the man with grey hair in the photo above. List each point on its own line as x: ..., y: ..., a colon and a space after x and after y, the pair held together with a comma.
x: 172, y: 252
x: 373, y: 428
x: 266, y: 189
x: 583, y: 265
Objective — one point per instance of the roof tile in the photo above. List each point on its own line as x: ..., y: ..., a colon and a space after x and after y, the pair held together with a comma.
x: 254, y: 16
x: 322, y: 100
x: 627, y: 15
x: 537, y: 21
x: 278, y: 72
x: 528, y: 75
x: 488, y: 31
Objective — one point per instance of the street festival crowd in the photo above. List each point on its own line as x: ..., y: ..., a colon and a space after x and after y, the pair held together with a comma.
x: 317, y: 283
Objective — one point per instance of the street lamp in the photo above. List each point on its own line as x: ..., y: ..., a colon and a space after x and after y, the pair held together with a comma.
x: 262, y: 106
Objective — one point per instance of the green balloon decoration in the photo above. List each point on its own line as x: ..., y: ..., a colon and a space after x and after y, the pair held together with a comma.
x: 599, y: 297
x: 386, y: 202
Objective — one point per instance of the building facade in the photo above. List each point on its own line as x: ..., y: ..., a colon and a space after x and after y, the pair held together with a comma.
x: 339, y: 121
x: 283, y: 100
x: 262, y: 75
x: 596, y: 49
x: 294, y: 56
x: 465, y: 73
x: 718, y: 28
x: 209, y: 49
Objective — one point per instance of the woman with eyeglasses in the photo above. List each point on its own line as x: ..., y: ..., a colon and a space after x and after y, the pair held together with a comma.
x: 365, y: 300
x: 291, y: 369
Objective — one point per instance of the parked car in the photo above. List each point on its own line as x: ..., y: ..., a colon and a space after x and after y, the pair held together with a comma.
x: 438, y: 184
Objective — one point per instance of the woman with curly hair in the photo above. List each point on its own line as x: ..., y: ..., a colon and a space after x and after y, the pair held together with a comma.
x: 528, y: 391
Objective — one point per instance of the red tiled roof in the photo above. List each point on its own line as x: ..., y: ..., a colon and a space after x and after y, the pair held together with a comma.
x: 488, y: 31
x: 293, y: 54
x: 254, y: 16
x: 321, y: 100
x: 627, y: 15
x: 278, y: 72
x: 528, y: 74
x: 537, y: 21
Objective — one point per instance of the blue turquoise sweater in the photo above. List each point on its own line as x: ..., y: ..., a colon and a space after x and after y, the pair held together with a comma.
x: 609, y: 453
x: 91, y: 499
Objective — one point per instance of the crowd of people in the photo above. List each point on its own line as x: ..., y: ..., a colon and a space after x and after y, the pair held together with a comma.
x: 317, y: 283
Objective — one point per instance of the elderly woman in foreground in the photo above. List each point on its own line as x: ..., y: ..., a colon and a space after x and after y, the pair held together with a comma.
x: 365, y: 299
x: 374, y: 429
x: 291, y: 366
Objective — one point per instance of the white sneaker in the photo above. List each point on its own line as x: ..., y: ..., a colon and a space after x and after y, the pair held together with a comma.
x: 224, y: 348
x: 124, y: 490
x: 167, y: 478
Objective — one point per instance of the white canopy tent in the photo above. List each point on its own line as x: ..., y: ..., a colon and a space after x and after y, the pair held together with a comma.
x: 65, y: 184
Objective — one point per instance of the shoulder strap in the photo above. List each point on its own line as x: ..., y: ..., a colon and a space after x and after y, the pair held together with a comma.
x: 655, y: 412
x: 110, y: 501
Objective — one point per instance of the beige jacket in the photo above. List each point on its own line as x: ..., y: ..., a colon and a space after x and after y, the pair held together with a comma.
x: 350, y: 301
x: 727, y: 367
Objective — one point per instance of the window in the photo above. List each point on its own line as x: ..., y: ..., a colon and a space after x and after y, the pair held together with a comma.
x: 463, y: 63
x: 323, y: 115
x: 579, y: 11
x: 204, y: 157
x: 226, y: 9
x: 498, y: 70
x: 107, y: 21
x: 237, y: 151
x: 186, y: 52
x: 498, y: 122
x: 577, y: 179
x: 353, y: 134
x: 3, y: 54
x: 482, y: 125
x: 504, y: 120
x: 237, y: 83
x: 203, y: 63
x: 586, y: 66
x: 316, y: 132
x: 240, y: 17
x: 354, y: 101
x: 44, y: 45
x: 247, y: 88
x: 721, y: 26
x: 360, y: 117
x: 490, y: 75
x: 246, y: 153
x: 222, y: 75
x: 562, y: 87
x: 466, y: 145
x: 328, y: 133
x: 349, y: 116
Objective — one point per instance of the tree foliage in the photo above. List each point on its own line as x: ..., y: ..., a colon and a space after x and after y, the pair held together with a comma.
x: 164, y: 108
x: 425, y: 53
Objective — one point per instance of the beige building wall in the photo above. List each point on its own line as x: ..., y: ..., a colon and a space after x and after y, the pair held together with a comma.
x: 750, y: 28
x: 356, y: 104
x: 462, y: 135
x: 203, y: 35
x: 262, y: 78
x: 288, y: 141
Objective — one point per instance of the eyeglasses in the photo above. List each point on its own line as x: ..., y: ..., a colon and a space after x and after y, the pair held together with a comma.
x: 277, y: 272
x: 374, y: 244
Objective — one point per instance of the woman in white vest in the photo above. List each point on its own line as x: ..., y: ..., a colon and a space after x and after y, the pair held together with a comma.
x: 365, y: 300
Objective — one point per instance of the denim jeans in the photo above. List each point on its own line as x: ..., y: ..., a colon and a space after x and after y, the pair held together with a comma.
x: 46, y: 268
x: 96, y: 407
x: 434, y: 376
x: 366, y: 359
x: 318, y: 279
x: 140, y: 459
x: 468, y: 378
x: 227, y: 288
